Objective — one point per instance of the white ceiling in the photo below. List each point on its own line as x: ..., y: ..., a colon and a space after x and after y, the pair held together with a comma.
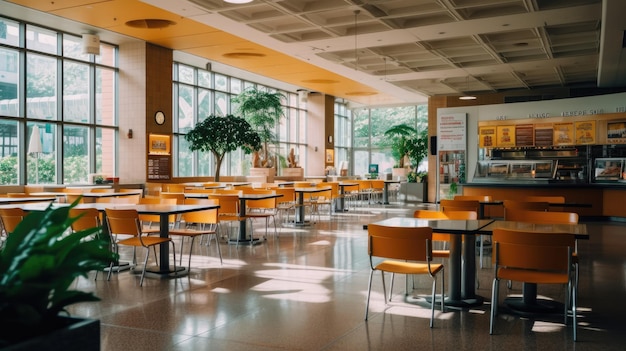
x: 420, y: 48
x: 409, y: 49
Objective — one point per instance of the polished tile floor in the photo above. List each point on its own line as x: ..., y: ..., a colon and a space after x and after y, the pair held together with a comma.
x: 306, y: 290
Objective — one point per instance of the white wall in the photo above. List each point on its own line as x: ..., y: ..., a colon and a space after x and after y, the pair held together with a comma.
x: 591, y: 105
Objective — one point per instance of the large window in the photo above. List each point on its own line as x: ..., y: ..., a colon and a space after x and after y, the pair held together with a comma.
x: 370, y: 146
x: 62, y: 125
x: 199, y: 93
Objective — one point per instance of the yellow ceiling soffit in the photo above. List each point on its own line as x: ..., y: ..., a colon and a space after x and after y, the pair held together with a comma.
x: 201, y: 40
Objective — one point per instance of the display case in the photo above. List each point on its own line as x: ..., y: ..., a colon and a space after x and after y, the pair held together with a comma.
x: 514, y: 171
x: 608, y: 169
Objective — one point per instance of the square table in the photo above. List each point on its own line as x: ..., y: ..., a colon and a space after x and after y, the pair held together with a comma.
x: 461, y: 275
x: 299, y: 221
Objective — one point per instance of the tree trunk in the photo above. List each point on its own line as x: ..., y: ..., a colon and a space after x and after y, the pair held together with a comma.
x: 218, y: 166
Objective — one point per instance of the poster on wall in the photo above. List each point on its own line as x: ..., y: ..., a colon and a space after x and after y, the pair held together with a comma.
x: 585, y: 132
x: 452, y: 130
x: 451, y: 160
x: 544, y: 134
x: 616, y: 132
x: 505, y: 136
x: 487, y: 136
x: 563, y: 134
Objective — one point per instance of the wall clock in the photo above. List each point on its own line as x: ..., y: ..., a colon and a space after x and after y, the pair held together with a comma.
x: 159, y: 117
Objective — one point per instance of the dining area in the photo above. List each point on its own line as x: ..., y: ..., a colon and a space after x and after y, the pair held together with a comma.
x: 320, y: 273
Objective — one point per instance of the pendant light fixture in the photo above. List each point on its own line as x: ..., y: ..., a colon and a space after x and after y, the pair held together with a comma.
x: 238, y: 1
x: 467, y: 97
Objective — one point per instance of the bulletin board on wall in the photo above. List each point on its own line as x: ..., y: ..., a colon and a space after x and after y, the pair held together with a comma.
x: 159, y: 157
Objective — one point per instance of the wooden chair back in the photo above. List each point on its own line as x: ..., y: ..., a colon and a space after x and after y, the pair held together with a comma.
x: 459, y: 205
x: 548, y: 199
x: 87, y: 218
x: 229, y: 206
x: 123, y: 221
x: 400, y: 243
x: 175, y: 188
x: 10, y: 218
x: 541, y: 217
x: 180, y: 197
x: 289, y: 194
x: 525, y: 205
x: 201, y: 217
x: 102, y: 190
x: 479, y: 198
x: 533, y: 251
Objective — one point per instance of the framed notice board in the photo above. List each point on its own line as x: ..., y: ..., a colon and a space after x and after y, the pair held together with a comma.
x: 159, y: 167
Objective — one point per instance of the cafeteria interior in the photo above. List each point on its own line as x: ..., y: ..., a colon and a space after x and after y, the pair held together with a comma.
x: 306, y: 289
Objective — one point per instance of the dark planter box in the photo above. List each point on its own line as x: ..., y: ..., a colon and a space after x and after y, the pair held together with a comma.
x: 71, y: 334
x: 414, y: 192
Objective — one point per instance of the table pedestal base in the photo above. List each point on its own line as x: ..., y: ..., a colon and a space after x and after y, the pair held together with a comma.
x: 463, y: 303
x: 157, y: 272
x: 517, y: 305
x: 254, y: 241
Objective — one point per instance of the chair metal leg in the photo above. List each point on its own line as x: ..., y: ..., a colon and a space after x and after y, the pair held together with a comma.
x: 494, y: 304
x: 393, y: 275
x: 432, y: 305
x: 369, y: 292
x: 145, y: 264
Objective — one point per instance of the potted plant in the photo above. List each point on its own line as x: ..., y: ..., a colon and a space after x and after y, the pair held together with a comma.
x: 39, y: 262
x: 219, y: 135
x: 407, y: 143
x: 263, y: 110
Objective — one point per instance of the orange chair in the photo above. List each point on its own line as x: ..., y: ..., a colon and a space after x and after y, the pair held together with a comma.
x: 466, y: 205
x: 9, y: 219
x: 287, y: 202
x: 229, y: 209
x: 264, y: 208
x: 440, y: 215
x: 205, y: 222
x: 406, y: 251
x: 86, y: 218
x: 525, y: 205
x: 126, y: 222
x: 532, y: 257
x: 548, y: 199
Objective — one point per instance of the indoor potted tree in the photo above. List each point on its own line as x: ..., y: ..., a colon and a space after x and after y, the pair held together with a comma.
x: 219, y: 135
x: 263, y: 110
x: 38, y: 264
x: 397, y: 137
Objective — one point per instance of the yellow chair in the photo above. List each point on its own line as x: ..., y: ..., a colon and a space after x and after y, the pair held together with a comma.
x: 537, y: 258
x: 229, y: 209
x: 205, y: 222
x: 264, y: 208
x: 126, y: 222
x: 403, y: 250
x: 9, y: 219
x: 175, y: 188
x: 440, y: 215
x: 525, y: 205
x: 548, y: 199
x: 86, y: 218
x: 378, y: 186
x: 543, y: 217
x: 287, y: 202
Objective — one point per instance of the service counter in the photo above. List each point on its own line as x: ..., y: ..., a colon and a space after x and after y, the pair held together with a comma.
x: 600, y: 200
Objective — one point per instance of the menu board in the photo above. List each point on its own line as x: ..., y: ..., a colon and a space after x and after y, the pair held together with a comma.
x: 524, y: 135
x: 159, y: 167
x: 585, y: 132
x: 487, y: 136
x: 505, y: 136
x: 616, y: 132
x: 543, y: 134
x: 563, y: 134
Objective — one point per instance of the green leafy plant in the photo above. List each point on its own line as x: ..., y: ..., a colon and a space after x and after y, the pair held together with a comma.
x: 263, y: 110
x: 38, y: 263
x: 406, y: 141
x: 219, y: 135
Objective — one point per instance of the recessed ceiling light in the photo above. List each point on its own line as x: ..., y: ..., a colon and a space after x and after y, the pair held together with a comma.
x: 238, y: 1
x: 467, y: 97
